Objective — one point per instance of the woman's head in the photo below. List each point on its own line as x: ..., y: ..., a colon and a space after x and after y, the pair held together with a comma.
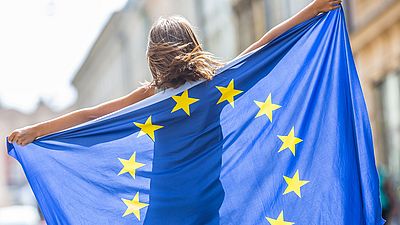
x: 175, y: 55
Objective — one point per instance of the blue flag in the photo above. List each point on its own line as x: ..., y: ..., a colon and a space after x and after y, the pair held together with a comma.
x: 280, y: 136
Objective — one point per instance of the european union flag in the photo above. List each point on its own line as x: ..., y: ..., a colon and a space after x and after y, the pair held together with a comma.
x: 280, y: 136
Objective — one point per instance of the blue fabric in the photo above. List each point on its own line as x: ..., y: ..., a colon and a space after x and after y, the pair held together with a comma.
x: 222, y: 164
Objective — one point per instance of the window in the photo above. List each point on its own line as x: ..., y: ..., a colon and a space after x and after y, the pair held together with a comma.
x: 389, y: 102
x: 250, y: 16
x: 255, y: 17
x: 280, y: 10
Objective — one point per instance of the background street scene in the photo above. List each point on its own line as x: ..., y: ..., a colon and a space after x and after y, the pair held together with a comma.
x: 62, y: 55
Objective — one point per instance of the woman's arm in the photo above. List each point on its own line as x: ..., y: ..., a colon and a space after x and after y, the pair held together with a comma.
x: 310, y: 11
x: 27, y: 134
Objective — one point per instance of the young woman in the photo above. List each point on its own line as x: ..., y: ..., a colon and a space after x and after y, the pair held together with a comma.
x: 175, y: 56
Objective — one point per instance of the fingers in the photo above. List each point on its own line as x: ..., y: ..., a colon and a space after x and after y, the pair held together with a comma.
x: 15, y: 138
x: 335, y: 4
x: 11, y: 137
x: 23, y: 142
x: 19, y: 140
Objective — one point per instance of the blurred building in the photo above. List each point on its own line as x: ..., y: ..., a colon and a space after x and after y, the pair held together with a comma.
x: 375, y: 39
x: 14, y: 188
x: 216, y: 28
x: 108, y: 69
x: 255, y: 17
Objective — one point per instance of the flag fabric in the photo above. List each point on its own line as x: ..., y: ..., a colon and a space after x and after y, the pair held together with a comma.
x: 279, y: 136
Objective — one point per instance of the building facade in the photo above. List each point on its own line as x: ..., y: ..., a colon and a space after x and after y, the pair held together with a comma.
x: 255, y: 17
x: 217, y: 28
x: 14, y: 188
x: 375, y: 39
x: 107, y: 70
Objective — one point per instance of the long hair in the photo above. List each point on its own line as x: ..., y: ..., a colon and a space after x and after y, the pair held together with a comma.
x: 175, y: 55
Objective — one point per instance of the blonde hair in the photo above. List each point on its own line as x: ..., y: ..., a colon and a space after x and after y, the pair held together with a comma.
x: 175, y: 55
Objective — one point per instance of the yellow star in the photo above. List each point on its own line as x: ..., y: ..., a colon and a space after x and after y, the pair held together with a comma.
x: 266, y: 108
x: 228, y: 93
x: 183, y: 102
x: 279, y: 221
x: 130, y: 165
x: 147, y: 128
x: 289, y: 141
x: 134, y: 206
x: 294, y: 184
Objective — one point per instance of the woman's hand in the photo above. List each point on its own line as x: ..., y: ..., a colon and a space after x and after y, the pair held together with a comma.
x: 310, y: 11
x: 321, y: 6
x: 23, y: 136
x: 26, y: 135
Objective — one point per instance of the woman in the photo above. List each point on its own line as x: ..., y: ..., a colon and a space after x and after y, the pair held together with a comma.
x: 175, y: 56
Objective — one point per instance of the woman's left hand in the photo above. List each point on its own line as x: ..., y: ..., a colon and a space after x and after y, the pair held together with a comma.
x: 23, y: 136
x: 321, y: 6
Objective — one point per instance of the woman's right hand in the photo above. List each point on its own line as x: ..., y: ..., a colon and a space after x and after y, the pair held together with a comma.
x: 321, y: 6
x: 23, y: 136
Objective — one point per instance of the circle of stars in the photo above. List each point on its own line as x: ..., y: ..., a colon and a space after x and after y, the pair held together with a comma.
x: 184, y: 102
